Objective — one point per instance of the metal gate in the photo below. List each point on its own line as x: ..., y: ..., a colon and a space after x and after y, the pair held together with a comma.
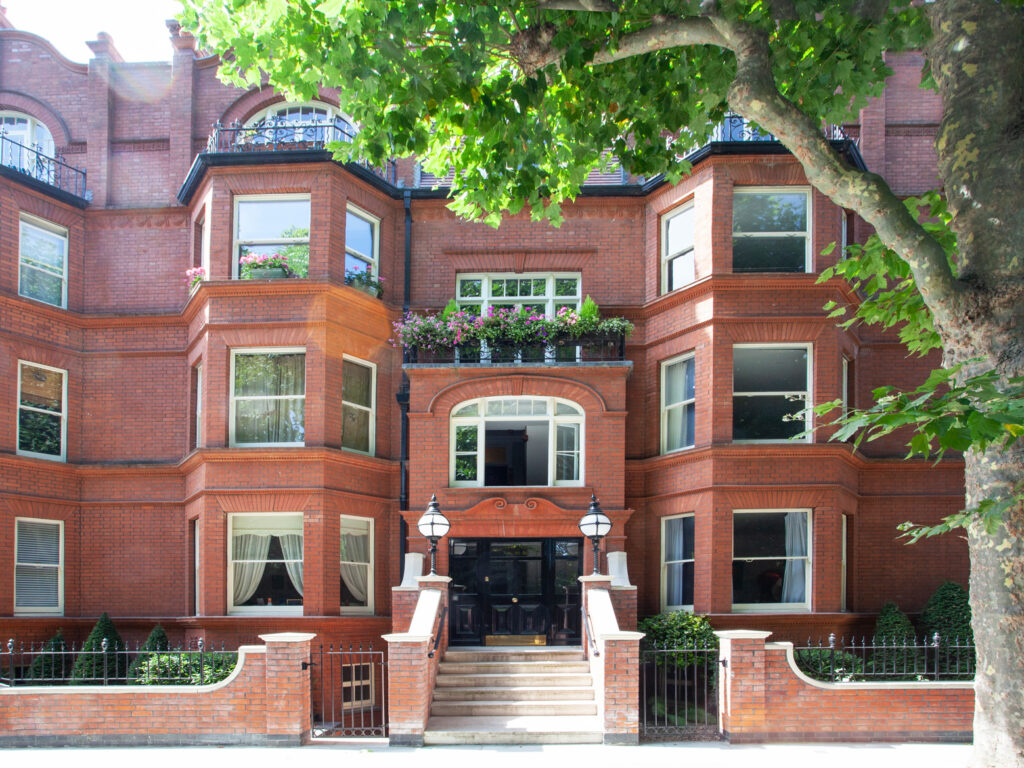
x: 679, y: 693
x: 349, y: 691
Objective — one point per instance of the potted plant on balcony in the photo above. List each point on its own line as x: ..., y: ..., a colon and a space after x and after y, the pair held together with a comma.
x: 263, y: 266
x: 585, y: 334
x: 193, y: 277
x: 366, y: 281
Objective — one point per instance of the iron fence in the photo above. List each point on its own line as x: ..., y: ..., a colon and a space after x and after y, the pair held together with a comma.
x: 679, y: 692
x: 280, y: 135
x: 349, y: 691
x: 59, y: 663
x: 41, y: 167
x: 909, y: 659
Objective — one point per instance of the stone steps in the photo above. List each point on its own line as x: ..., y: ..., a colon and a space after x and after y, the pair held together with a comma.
x: 536, y: 695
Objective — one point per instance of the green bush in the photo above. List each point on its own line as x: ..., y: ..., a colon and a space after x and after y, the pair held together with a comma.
x: 897, y: 662
x: 157, y: 641
x: 50, y: 666
x: 820, y: 664
x: 678, y: 629
x: 948, y: 612
x: 184, y: 668
x: 89, y: 665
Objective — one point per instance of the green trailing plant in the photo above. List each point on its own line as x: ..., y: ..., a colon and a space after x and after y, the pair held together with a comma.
x: 50, y: 666
x: 184, y: 668
x: 157, y: 641
x: 93, y: 664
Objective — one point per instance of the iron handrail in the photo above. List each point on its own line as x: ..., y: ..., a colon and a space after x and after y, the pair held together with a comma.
x: 589, y: 629
x: 41, y: 167
x: 438, y: 631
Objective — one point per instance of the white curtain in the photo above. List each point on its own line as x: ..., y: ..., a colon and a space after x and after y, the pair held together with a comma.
x: 252, y: 547
x: 355, y: 576
x: 794, y: 580
x: 291, y: 546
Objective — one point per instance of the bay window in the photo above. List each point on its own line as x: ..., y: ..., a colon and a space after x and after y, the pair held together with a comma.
x: 771, y: 560
x: 678, y: 403
x: 265, y: 566
x: 520, y: 441
x: 358, y: 402
x: 268, y: 396
x: 771, y: 385
x: 38, y: 566
x: 677, y: 563
x: 356, y: 553
x: 770, y: 229
x: 42, y: 411
x: 273, y: 225
x: 677, y: 256
x: 43, y: 261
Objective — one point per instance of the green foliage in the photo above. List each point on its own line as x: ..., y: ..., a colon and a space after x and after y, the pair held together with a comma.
x: 441, y: 80
x: 185, y: 669
x: 678, y: 629
x: 90, y: 665
x: 157, y: 641
x: 589, y: 313
x: 893, y: 624
x: 50, y: 666
x: 948, y: 612
x: 835, y: 666
x: 450, y: 309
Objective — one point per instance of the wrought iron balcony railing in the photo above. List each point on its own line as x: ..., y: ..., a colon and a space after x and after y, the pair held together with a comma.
x: 41, y: 167
x: 282, y: 135
x: 587, y: 349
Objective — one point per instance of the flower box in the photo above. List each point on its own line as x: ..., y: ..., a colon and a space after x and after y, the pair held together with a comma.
x: 267, y: 273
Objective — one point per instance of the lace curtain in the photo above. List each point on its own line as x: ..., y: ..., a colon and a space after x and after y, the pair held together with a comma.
x: 355, y: 575
x: 291, y: 546
x: 794, y: 579
x: 251, y: 547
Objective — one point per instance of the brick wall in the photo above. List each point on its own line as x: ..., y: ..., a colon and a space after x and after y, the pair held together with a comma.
x: 762, y: 698
x: 265, y: 701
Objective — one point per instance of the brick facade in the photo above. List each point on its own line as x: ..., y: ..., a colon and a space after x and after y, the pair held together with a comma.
x: 133, y: 488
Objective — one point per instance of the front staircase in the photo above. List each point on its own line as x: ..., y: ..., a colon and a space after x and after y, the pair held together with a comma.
x: 514, y: 695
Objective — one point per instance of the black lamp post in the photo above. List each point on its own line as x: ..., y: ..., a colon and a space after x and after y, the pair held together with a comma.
x: 433, y: 525
x: 595, y: 526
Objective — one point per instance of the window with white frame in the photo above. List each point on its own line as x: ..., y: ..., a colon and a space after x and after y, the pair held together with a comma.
x: 361, y: 241
x: 543, y: 294
x: 358, y: 402
x: 678, y: 403
x: 677, y: 256
x: 771, y: 385
x: 42, y: 411
x: 516, y: 441
x: 27, y: 146
x: 268, y: 396
x: 272, y: 225
x: 356, y: 553
x: 38, y: 566
x: 313, y: 122
x: 677, y: 563
x: 43, y: 261
x: 197, y: 406
x: 265, y: 566
x: 770, y: 229
x: 771, y: 562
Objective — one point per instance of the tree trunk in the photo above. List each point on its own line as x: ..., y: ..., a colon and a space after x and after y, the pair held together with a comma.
x: 997, y: 587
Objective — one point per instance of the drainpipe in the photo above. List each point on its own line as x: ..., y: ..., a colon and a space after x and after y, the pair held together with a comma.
x: 403, y: 393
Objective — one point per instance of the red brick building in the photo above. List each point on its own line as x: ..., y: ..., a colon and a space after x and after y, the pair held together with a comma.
x: 233, y: 459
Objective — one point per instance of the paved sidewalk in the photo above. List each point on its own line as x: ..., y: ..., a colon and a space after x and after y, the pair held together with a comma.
x: 373, y: 754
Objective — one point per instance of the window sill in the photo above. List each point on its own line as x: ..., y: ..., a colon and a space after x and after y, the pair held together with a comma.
x: 267, y: 610
x: 567, y: 486
x: 773, y: 441
x: 771, y: 608
x: 43, y: 456
x: 684, y: 449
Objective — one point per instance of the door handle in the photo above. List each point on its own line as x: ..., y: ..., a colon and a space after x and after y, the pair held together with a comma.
x: 515, y: 599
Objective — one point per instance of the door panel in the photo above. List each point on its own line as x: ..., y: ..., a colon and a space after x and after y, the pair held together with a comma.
x: 515, y: 587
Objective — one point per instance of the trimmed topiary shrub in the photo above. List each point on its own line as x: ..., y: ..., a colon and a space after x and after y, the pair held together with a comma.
x: 184, y: 668
x: 51, y: 666
x: 901, y: 661
x: 90, y: 665
x: 157, y: 641
x: 948, y: 612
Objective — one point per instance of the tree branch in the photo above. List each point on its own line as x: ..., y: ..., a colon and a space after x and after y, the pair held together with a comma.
x: 600, y: 6
x: 755, y: 95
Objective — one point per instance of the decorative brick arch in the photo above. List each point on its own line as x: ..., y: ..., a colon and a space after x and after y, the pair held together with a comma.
x: 41, y: 111
x: 251, y: 102
x: 517, y: 386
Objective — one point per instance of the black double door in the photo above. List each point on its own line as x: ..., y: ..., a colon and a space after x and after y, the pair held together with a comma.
x: 515, y: 590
